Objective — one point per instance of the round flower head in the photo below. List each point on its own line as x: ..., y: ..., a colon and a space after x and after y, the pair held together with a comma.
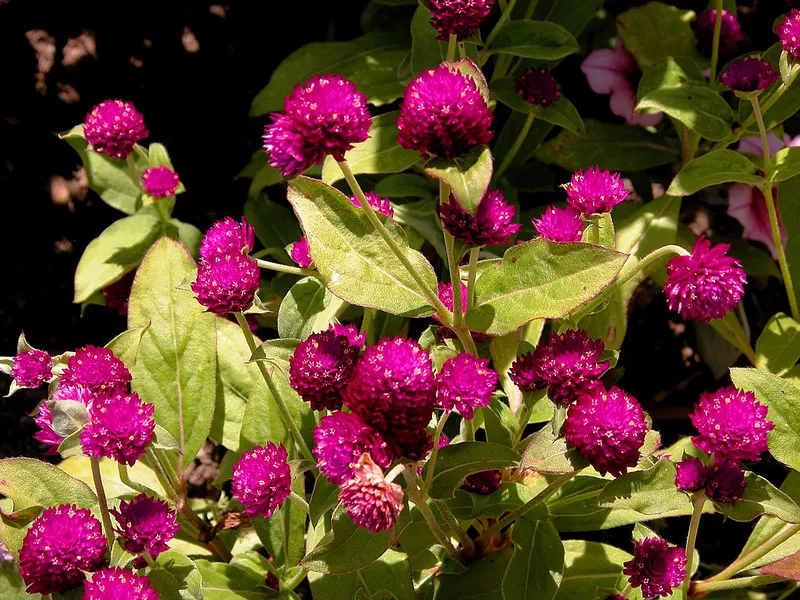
x: 145, y: 525
x: 749, y: 74
x: 568, y: 365
x: 788, y: 31
x: 392, y: 387
x: 326, y: 116
x: 339, y: 441
x: 227, y: 236
x: 460, y: 18
x: 443, y: 114
x: 321, y: 365
x: 60, y: 545
x: 656, y: 567
x: 371, y: 501
x: 691, y: 475
x: 484, y: 483
x: 730, y: 33
x: 113, y: 128
x: 227, y: 284
x: 32, y: 368
x: 160, y: 182
x: 44, y: 418
x: 725, y: 482
x: 705, y: 285
x: 465, y: 383
x: 378, y: 203
x: 490, y: 225
x: 300, y: 253
x: 538, y: 87
x: 731, y: 424
x: 607, y: 428
x: 97, y: 369
x: 560, y: 224
x: 120, y: 428
x: 116, y: 584
x: 261, y: 480
x: 118, y: 293
x: 594, y: 191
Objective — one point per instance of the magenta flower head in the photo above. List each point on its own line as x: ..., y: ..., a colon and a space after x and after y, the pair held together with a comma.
x: 788, y: 31
x: 465, y: 383
x: 443, y: 114
x: 656, y: 567
x: 227, y: 236
x: 145, y: 525
x: 691, y: 475
x: 460, y: 18
x: 749, y: 74
x: 490, y: 225
x: 568, y: 365
x: 118, y: 293
x: 705, y: 285
x: 32, y: 368
x: 120, y: 428
x: 116, y: 583
x: 301, y: 254
x: 339, y: 441
x: 725, y: 482
x: 262, y: 480
x: 227, y: 284
x: 483, y: 483
x: 97, y: 369
x: 560, y: 224
x: 160, y: 182
x: 594, y: 191
x: 730, y: 33
x: 321, y: 365
x: 372, y: 502
x: 60, y: 545
x: 393, y: 387
x: 607, y: 428
x: 378, y: 203
x: 731, y: 424
x: 113, y: 128
x: 326, y: 116
x: 538, y: 87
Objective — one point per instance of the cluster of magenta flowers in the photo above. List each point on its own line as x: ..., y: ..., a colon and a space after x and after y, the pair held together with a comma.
x: 491, y: 224
x: 116, y: 583
x: 145, y: 525
x: 730, y: 34
x: 788, y: 31
x: 227, y: 279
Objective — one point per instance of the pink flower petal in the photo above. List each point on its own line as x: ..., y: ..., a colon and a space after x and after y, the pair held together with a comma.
x: 747, y: 205
x: 752, y: 145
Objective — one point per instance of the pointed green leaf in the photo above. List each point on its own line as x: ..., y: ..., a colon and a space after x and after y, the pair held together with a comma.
x: 720, y: 166
x: 456, y: 461
x: 533, y: 39
x: 656, y: 30
x: 537, y: 564
x: 778, y: 346
x: 468, y: 176
x: 650, y: 492
x: 785, y: 165
x: 300, y: 308
x: 761, y: 497
x: 700, y: 108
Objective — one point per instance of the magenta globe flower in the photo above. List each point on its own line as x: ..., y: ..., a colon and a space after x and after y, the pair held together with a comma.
x: 465, y: 383
x: 749, y: 74
x: 227, y: 284
x: 705, y: 285
x: 443, y: 113
x: 227, y: 236
x: 594, y: 191
x: 116, y: 584
x: 538, y: 87
x: 145, y: 525
x: 731, y: 424
x: 730, y: 34
x: 60, y: 545
x: 32, y: 368
x: 725, y: 482
x: 491, y: 224
x: 608, y: 429
x: 656, y: 567
x: 372, y: 502
x: 160, y: 182
x: 483, y: 483
x: 301, y: 254
x: 120, y: 428
x: 339, y: 441
x: 113, y: 128
x: 262, y: 480
x: 378, y: 203
x: 460, y: 18
x: 691, y: 475
x: 560, y: 224
x: 788, y: 31
x: 98, y: 370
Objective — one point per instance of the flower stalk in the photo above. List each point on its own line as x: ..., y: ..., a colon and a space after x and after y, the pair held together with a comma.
x: 102, y: 501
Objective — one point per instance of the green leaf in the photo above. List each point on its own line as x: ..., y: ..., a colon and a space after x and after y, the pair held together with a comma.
x: 115, y: 252
x: 481, y: 581
x: 786, y: 568
x: 784, y: 107
x: 355, y: 262
x: 222, y: 581
x: 537, y: 564
x: 657, y: 30
x: 548, y: 453
x: 562, y: 113
x: 778, y: 346
x: 283, y: 533
x: 468, y: 176
x: 29, y: 482
x: 177, y: 364
x: 12, y: 587
x: 379, y: 153
x: 540, y: 279
x: 188, y: 235
x: 782, y: 398
x: 297, y: 316
x: 533, y: 39
x: 650, y: 492
x: 406, y: 185
x: 423, y: 216
x: 768, y: 527
x: 126, y: 345
x: 369, y: 61
x: 571, y: 15
x: 785, y: 165
x: 700, y: 108
x: 276, y: 352
x: 275, y: 225
x: 669, y: 72
x: 176, y: 578
x: 720, y: 166
x: 456, y: 461
x: 761, y: 497
x: 614, y: 147
x: 387, y: 577
x: 324, y: 497
x: 589, y: 566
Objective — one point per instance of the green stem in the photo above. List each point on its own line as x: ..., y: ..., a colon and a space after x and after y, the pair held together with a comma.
x: 502, y: 21
x: 522, y: 419
x: 452, y: 42
x: 149, y: 559
x: 462, y: 51
x: 300, y: 501
x: 469, y: 430
x: 102, y: 501
x: 741, y: 563
x: 367, y: 319
x: 502, y: 4
x: 472, y: 271
x: 279, y: 400
x: 161, y: 475
x: 131, y: 163
x: 763, y: 131
x: 273, y: 266
x: 627, y: 590
x: 655, y: 256
x: 529, y: 11
x: 512, y: 152
x: 595, y: 230
x: 703, y: 588
x: 694, y: 525
x: 430, y: 519
x: 292, y: 583
x: 455, y: 526
x: 743, y: 344
x: 125, y: 478
x: 434, y: 452
x: 433, y: 299
x: 715, y: 42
